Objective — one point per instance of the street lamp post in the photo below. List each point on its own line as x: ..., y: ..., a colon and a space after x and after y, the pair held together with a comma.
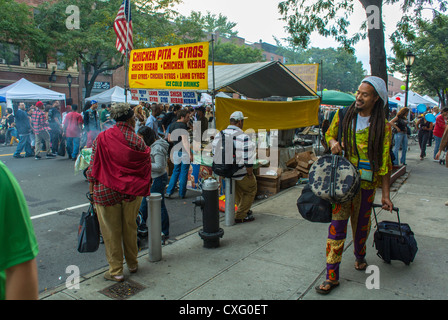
x: 69, y: 81
x: 408, y: 61
x: 52, y: 77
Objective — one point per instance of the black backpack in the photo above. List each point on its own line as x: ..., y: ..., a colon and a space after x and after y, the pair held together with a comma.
x: 222, y: 169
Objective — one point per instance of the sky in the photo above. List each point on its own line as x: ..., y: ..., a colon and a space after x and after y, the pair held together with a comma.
x: 259, y: 20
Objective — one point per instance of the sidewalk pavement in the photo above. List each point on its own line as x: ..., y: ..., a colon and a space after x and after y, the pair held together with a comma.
x: 281, y: 256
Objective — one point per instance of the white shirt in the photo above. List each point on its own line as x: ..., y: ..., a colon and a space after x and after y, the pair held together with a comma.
x: 362, y: 123
x: 244, y: 148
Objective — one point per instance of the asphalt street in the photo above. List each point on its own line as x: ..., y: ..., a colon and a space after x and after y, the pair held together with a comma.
x: 56, y: 198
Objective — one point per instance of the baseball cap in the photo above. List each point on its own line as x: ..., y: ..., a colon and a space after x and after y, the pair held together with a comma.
x: 93, y: 102
x: 237, y: 115
x: 39, y: 104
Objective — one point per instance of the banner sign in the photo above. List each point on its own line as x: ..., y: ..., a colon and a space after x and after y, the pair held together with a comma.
x: 307, y: 73
x: 181, y: 67
x: 165, y: 96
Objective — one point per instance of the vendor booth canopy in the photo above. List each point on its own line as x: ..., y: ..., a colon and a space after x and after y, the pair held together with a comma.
x: 26, y: 90
x: 333, y: 98
x: 258, y: 80
x: 268, y: 115
x: 426, y: 97
x: 414, y: 99
x: 115, y: 94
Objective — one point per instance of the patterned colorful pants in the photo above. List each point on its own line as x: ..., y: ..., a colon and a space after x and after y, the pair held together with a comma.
x: 358, y: 210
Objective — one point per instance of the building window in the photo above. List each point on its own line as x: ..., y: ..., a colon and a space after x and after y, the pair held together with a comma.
x: 60, y: 64
x: 9, y: 54
x: 41, y: 65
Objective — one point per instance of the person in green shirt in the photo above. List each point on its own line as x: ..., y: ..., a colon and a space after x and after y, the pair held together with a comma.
x: 18, y: 245
x: 104, y: 115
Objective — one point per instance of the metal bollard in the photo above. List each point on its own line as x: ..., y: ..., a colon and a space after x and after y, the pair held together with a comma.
x: 209, y: 203
x: 155, y: 224
x: 230, y: 202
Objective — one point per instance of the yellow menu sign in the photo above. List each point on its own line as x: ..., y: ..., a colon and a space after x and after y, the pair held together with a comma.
x: 181, y: 67
x: 308, y: 73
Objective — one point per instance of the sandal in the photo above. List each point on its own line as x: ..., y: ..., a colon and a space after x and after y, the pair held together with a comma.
x: 108, y: 276
x: 359, y: 262
x: 324, y: 284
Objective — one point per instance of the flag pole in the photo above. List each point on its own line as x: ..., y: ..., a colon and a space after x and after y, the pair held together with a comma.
x: 126, y: 50
x: 213, y: 75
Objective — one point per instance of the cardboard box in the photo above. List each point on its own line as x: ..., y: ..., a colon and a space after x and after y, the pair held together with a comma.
x: 268, y: 185
x: 291, y: 163
x: 303, y: 171
x: 266, y: 191
x: 305, y: 165
x: 274, y: 174
x: 288, y: 179
x: 306, y: 156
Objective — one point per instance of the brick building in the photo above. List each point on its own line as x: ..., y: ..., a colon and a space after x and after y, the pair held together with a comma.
x: 54, y: 74
x: 394, y: 85
x: 51, y: 73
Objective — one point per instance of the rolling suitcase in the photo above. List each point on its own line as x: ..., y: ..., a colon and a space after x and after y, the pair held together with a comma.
x: 394, y: 240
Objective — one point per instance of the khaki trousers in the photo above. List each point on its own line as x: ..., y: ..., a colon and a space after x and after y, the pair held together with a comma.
x: 245, y: 191
x: 38, y: 146
x: 119, y: 229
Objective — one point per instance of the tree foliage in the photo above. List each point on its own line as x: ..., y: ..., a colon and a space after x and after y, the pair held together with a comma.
x: 93, y: 44
x: 340, y: 69
x: 235, y: 54
x: 428, y: 40
x: 17, y: 27
x: 331, y: 18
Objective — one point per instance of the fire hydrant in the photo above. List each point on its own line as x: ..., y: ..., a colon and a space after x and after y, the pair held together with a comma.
x: 209, y: 203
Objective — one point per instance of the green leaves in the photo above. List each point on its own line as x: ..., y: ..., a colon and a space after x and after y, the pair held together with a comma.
x: 428, y: 40
x: 235, y: 54
x: 18, y: 27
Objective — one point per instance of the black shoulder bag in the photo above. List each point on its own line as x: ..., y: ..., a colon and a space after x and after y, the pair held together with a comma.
x: 310, y: 206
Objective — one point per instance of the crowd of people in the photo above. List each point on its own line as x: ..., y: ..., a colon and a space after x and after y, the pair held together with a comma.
x: 131, y: 149
x: 404, y: 122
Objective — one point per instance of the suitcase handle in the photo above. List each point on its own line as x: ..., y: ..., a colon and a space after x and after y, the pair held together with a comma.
x: 393, y: 209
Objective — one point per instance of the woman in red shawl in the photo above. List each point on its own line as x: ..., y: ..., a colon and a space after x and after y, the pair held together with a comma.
x: 119, y: 176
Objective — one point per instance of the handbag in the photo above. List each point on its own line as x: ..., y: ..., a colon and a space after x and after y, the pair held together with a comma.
x: 89, y: 231
x: 62, y: 146
x: 332, y: 177
x: 313, y: 208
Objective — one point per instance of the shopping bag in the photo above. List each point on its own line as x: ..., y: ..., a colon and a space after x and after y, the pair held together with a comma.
x: 89, y: 231
x: 62, y: 146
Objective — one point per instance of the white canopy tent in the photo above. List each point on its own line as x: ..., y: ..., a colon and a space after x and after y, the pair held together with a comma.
x: 115, y: 94
x: 207, y: 98
x: 430, y: 99
x: 414, y: 99
x: 26, y: 90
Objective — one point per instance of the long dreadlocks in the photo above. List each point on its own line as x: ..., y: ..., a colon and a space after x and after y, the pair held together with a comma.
x: 376, y: 133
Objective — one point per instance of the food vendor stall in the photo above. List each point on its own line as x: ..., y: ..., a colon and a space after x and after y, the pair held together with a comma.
x: 176, y: 74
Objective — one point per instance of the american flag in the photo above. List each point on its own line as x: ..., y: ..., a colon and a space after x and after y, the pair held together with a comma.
x: 123, y: 21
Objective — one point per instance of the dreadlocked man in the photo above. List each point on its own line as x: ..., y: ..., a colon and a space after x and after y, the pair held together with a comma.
x: 366, y: 141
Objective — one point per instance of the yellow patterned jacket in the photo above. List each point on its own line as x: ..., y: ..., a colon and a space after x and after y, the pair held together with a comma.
x: 362, y: 141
